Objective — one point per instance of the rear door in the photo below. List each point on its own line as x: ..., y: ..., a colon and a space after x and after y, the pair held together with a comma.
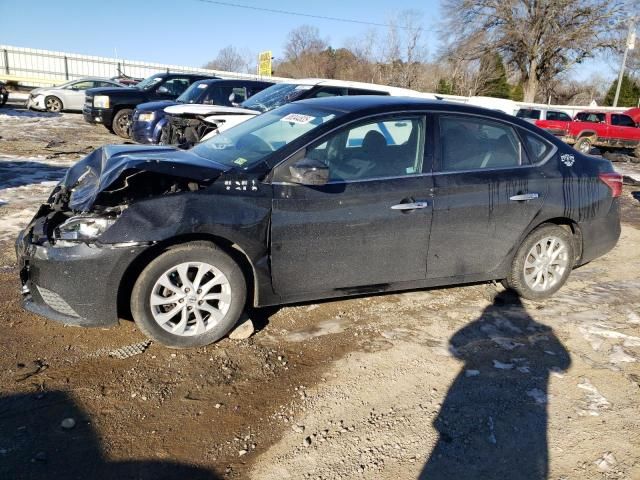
x: 369, y: 225
x: 486, y: 193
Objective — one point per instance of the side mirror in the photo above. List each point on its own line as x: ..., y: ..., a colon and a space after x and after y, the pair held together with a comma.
x: 163, y: 90
x: 308, y: 171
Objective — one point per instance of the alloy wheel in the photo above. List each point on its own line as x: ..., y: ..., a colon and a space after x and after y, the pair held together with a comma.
x: 546, y: 263
x: 190, y: 298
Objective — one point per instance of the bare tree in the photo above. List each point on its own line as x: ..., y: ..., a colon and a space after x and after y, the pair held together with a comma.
x: 403, y: 49
x: 541, y: 38
x: 303, y: 40
x: 229, y: 59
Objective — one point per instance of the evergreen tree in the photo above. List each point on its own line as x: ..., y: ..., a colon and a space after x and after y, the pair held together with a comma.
x: 517, y: 93
x: 444, y: 87
x: 494, y: 76
x: 629, y: 92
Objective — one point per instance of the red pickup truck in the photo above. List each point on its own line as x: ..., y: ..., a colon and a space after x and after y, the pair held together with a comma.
x: 592, y: 128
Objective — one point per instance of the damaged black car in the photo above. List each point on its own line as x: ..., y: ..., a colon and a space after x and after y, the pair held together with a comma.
x: 316, y: 199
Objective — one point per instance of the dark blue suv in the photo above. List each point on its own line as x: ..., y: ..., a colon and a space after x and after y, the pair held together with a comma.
x: 149, y: 118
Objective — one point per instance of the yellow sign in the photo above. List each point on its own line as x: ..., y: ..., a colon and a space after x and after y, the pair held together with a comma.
x: 264, y: 63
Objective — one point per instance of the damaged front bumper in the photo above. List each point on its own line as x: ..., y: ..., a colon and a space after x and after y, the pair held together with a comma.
x: 75, y: 285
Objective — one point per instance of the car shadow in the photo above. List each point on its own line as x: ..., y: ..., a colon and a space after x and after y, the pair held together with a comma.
x: 24, y: 113
x: 35, y: 446
x: 493, y: 421
x: 16, y: 173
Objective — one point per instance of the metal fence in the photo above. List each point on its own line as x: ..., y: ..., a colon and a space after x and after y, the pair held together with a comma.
x: 31, y: 67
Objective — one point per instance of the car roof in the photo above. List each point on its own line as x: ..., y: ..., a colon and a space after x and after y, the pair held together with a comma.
x: 395, y: 91
x: 357, y: 103
x: 233, y: 81
x: 99, y: 79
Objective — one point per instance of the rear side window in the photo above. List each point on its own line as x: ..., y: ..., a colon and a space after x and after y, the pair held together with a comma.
x: 558, y: 116
x: 590, y: 117
x: 472, y: 143
x: 537, y: 148
x: 529, y: 113
x: 622, y: 120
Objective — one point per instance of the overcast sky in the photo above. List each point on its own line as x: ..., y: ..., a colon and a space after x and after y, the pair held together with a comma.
x: 190, y: 32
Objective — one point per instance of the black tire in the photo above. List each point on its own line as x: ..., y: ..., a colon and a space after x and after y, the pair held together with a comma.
x: 516, y: 278
x: 190, y: 252
x: 53, y: 104
x: 121, y: 122
x: 584, y: 145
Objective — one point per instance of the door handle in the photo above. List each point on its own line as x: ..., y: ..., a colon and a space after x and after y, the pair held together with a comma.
x: 524, y: 197
x: 410, y: 206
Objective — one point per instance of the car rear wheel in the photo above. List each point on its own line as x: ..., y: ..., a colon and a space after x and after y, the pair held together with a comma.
x: 191, y: 295
x: 122, y: 122
x: 543, y: 263
x: 583, y: 145
x: 53, y: 104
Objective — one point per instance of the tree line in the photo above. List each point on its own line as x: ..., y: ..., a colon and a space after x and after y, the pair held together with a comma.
x: 518, y: 49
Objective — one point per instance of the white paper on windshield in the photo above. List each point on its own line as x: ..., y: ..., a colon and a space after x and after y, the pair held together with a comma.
x: 304, y: 87
x: 297, y: 118
x: 203, y: 85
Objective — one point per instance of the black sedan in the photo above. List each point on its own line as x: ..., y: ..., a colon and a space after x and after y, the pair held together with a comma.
x: 317, y: 199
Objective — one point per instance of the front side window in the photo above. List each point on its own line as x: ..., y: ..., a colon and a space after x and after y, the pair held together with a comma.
x: 249, y: 143
x: 82, y: 85
x: 472, y: 143
x: 176, y: 86
x: 391, y: 147
x: 590, y: 117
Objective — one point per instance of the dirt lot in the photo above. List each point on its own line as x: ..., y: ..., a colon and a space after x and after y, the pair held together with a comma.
x: 420, y: 384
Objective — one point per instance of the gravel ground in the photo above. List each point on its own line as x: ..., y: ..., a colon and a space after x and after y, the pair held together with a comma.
x: 463, y: 382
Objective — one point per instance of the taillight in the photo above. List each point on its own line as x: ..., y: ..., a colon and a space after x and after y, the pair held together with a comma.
x: 613, y: 181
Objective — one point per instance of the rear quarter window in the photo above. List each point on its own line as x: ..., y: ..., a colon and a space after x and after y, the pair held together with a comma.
x: 537, y: 148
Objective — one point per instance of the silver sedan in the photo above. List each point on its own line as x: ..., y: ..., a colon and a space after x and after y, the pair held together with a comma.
x: 67, y: 96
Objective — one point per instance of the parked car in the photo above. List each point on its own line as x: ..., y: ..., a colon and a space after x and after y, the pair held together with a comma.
x: 189, y: 124
x: 113, y: 107
x: 316, y: 199
x: 552, y: 120
x: 605, y: 130
x: 4, y: 94
x: 149, y: 118
x: 67, y: 96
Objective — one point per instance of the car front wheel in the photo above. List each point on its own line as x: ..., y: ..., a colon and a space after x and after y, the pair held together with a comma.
x: 543, y: 263
x: 191, y: 295
x: 122, y: 122
x: 53, y: 104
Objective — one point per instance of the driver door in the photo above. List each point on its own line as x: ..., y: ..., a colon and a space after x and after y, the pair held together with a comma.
x: 369, y: 225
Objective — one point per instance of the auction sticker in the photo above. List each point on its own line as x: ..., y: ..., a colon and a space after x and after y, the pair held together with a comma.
x: 297, y: 118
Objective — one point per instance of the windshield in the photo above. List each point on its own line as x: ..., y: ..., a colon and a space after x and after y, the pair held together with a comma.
x: 275, y: 96
x: 249, y: 143
x: 149, y: 82
x: 193, y: 93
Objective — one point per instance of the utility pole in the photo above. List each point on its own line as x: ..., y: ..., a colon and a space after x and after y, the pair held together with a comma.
x: 630, y: 44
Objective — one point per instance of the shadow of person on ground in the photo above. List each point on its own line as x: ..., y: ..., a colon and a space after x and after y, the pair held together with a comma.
x: 34, y: 445
x: 493, y: 421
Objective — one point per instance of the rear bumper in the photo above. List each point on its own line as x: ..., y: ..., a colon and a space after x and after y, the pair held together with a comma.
x: 98, y: 115
x: 601, y: 235
x: 74, y: 285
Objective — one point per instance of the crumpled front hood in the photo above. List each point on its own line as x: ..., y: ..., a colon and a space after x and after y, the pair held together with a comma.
x: 100, y: 169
